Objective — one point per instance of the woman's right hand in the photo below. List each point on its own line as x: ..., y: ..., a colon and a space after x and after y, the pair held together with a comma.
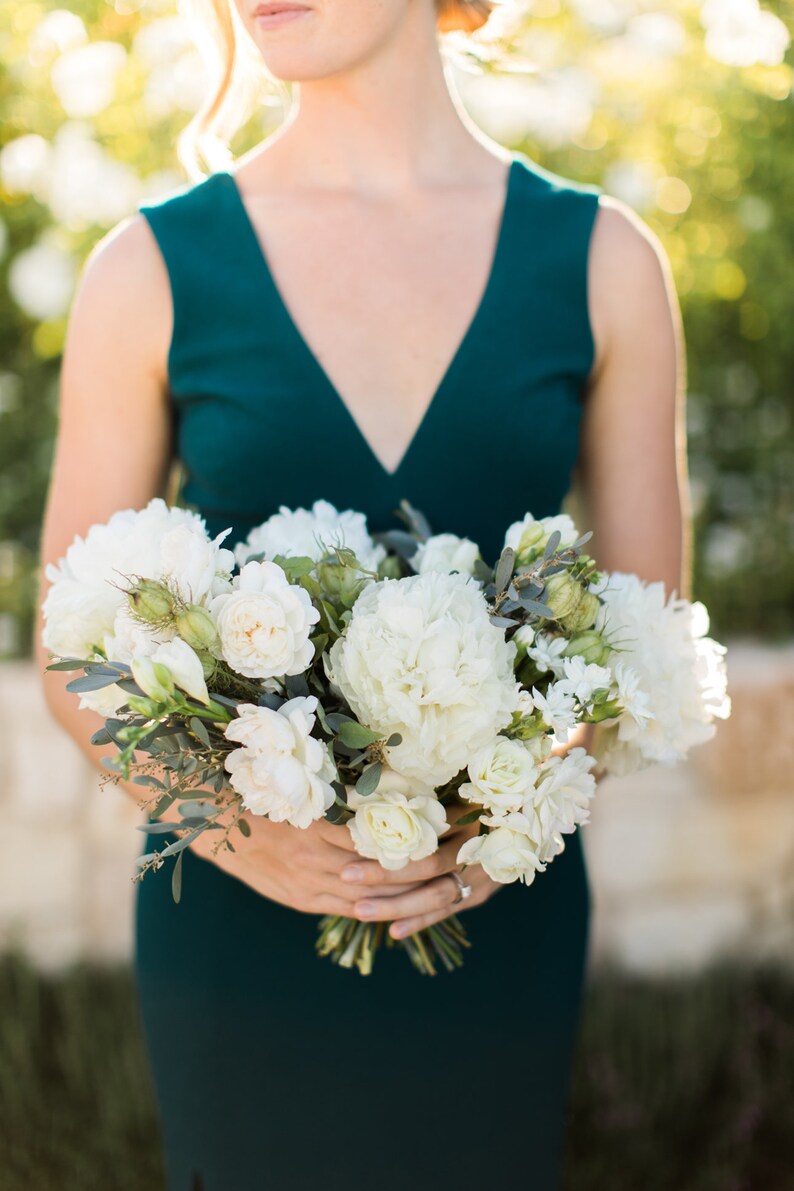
x: 298, y: 867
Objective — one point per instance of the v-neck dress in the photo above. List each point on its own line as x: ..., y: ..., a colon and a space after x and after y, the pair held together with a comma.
x: 274, y: 1070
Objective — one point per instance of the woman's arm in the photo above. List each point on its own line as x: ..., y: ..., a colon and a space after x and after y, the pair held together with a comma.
x: 114, y: 451
x: 631, y: 474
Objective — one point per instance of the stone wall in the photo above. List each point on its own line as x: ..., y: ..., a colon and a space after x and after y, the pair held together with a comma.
x: 687, y: 865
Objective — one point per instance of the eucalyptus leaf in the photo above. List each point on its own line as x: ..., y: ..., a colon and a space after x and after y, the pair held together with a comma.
x: 553, y: 544
x: 176, y: 879
x: 502, y: 622
x: 67, y: 664
x: 192, y: 807
x: 296, y: 685
x: 180, y: 844
x: 102, y: 736
x: 244, y: 827
x: 336, y: 719
x: 356, y: 735
x: 394, y: 740
x: 159, y: 828
x: 145, y: 779
x: 200, y: 730
x: 469, y: 817
x: 537, y: 609
x: 504, y: 569
x: 91, y: 682
x: 368, y: 782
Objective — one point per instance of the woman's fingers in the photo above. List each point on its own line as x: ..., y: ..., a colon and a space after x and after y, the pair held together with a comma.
x: 482, y: 888
x: 428, y: 897
x: 369, y: 872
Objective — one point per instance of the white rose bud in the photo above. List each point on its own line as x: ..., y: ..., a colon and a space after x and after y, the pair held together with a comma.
x: 506, y: 854
x: 401, y: 821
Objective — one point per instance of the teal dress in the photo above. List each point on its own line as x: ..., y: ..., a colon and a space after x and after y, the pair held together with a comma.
x: 275, y: 1070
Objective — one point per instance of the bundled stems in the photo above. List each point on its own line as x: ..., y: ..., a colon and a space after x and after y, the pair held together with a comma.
x: 350, y: 943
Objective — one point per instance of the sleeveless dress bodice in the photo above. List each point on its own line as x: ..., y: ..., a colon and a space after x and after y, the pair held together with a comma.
x: 275, y: 1070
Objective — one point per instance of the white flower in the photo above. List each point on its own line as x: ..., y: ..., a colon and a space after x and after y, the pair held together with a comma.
x: 507, y: 852
x: 558, y: 708
x: 264, y: 623
x: 528, y: 532
x: 561, y: 801
x: 400, y: 821
x: 88, y: 583
x: 310, y: 533
x: 582, y: 679
x: 421, y: 657
x: 501, y: 775
x: 446, y: 552
x: 184, y: 666
x: 281, y: 771
x: 546, y: 653
x: 525, y: 636
x: 662, y: 643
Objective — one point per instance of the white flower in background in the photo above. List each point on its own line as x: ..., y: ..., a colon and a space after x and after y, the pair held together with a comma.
x: 41, y: 280
x: 501, y: 775
x: 507, y: 852
x: 421, y: 657
x: 558, y: 708
x: 24, y: 164
x: 561, y: 801
x: 310, y: 533
x: 632, y: 699
x: 663, y: 643
x: 281, y: 771
x: 582, y: 679
x: 741, y: 33
x: 84, y: 78
x: 181, y: 662
x: 85, y: 185
x: 446, y: 552
x: 400, y: 821
x: 88, y: 585
x: 546, y: 652
x: 529, y: 532
x: 264, y: 623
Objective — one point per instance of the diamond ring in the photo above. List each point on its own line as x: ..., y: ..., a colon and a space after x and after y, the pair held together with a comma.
x: 463, y: 889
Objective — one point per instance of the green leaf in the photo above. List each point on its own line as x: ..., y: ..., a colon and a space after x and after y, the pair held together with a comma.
x: 91, y: 682
x: 185, y: 841
x: 368, y: 782
x: 67, y: 664
x: 336, y: 719
x: 553, y: 544
x: 356, y: 736
x: 244, y: 827
x: 145, y: 779
x: 504, y: 568
x: 394, y: 740
x: 198, y: 728
x: 469, y: 817
x: 176, y: 879
x: 161, y: 828
x: 196, y: 807
x: 102, y: 736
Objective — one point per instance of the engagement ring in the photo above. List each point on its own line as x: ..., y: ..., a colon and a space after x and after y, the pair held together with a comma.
x: 464, y: 890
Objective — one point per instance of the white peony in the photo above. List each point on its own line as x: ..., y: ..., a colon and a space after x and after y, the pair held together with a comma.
x: 88, y: 583
x: 446, y: 552
x: 507, y: 852
x: 501, y: 776
x: 264, y: 623
x: 310, y: 533
x: 663, y: 645
x: 400, y: 821
x: 421, y: 657
x: 281, y: 770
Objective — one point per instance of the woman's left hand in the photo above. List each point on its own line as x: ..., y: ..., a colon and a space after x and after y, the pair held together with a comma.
x: 435, y: 898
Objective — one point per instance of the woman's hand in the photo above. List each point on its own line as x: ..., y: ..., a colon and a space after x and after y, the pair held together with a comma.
x: 431, y: 897
x: 300, y: 868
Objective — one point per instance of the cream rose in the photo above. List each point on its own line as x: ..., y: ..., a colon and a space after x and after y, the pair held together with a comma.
x: 401, y: 821
x: 281, y: 771
x: 507, y: 852
x: 264, y: 623
x: 446, y: 552
x: 501, y: 775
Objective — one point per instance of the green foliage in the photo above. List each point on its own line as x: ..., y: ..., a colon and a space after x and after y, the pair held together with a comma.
x: 703, y: 150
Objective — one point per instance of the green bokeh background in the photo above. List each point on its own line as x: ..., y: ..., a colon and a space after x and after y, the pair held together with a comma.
x: 717, y: 142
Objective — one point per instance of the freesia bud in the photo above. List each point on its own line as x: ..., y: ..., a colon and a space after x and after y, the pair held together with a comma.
x: 153, y: 678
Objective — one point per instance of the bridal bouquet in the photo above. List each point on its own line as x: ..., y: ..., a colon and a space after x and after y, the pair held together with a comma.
x: 378, y: 681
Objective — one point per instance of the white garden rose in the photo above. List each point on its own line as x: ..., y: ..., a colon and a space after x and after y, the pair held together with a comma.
x: 501, y: 776
x: 281, y: 770
x: 446, y: 552
x: 507, y: 852
x: 264, y: 623
x: 310, y: 533
x: 400, y: 821
x: 421, y: 657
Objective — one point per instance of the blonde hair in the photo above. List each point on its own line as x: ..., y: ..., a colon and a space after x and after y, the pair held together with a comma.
x: 241, y: 78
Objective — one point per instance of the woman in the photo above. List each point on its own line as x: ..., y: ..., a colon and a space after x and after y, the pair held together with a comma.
x: 377, y: 303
